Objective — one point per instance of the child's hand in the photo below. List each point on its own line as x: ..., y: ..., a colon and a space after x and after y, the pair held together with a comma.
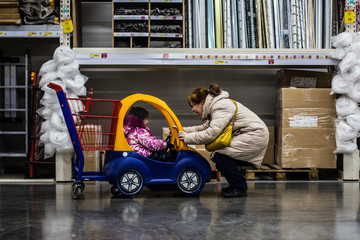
x: 175, y: 127
x: 182, y: 136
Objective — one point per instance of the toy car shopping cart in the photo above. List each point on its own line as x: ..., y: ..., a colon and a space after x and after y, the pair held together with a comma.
x: 98, y: 125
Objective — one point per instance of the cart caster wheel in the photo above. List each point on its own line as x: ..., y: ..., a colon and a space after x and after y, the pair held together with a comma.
x: 114, y: 191
x: 76, y: 191
x: 82, y: 186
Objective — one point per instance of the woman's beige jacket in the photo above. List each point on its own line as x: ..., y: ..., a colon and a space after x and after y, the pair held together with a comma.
x: 250, y: 134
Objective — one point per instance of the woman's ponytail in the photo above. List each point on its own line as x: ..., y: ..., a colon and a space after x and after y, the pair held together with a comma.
x: 214, y: 89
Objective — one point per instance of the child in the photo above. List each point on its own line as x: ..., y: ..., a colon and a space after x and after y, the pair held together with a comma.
x: 139, y: 136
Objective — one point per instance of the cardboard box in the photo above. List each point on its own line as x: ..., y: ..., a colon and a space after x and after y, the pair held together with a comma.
x: 91, y: 160
x: 91, y: 137
x: 269, y: 157
x: 304, y: 79
x: 306, y: 138
x: 305, y: 98
x: 306, y: 117
x: 9, y: 10
x: 305, y: 158
x: 10, y: 21
x: 10, y: 16
x: 203, y: 152
x: 9, y: 4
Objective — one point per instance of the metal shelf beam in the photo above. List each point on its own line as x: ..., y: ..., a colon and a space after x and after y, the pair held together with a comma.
x: 204, y: 57
x: 30, y: 31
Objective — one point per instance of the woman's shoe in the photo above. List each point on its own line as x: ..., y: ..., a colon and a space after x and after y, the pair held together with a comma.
x: 226, y: 189
x: 234, y: 192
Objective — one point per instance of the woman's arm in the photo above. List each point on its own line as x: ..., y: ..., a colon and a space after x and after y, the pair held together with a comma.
x: 197, y: 128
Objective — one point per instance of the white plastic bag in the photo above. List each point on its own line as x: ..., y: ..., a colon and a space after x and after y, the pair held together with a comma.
x: 339, y: 85
x: 57, y: 121
x: 67, y: 72
x: 74, y: 84
x: 354, y: 92
x: 353, y: 74
x: 339, y: 53
x: 345, y: 146
x: 344, y: 131
x: 354, y: 120
x: 344, y: 39
x: 348, y: 62
x: 49, y: 150
x: 48, y: 77
x: 44, y: 138
x: 45, y: 126
x: 64, y: 54
x: 58, y: 138
x: 49, y: 66
x: 345, y: 106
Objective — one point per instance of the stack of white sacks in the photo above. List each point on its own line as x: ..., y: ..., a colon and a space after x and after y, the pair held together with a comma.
x: 347, y: 83
x: 63, y: 70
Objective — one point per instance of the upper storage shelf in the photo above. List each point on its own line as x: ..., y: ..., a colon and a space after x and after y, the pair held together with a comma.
x: 29, y: 31
x: 204, y: 57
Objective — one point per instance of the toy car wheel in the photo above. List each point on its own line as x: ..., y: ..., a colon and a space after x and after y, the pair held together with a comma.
x: 114, y: 190
x: 76, y: 191
x: 190, y: 181
x: 130, y: 182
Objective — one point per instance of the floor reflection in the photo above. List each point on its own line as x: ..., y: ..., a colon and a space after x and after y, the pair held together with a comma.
x: 272, y: 210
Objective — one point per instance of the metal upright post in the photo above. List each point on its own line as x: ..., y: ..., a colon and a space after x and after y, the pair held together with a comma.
x: 351, y: 160
x: 64, y: 14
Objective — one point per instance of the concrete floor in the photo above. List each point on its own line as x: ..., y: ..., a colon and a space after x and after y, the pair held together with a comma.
x: 272, y: 210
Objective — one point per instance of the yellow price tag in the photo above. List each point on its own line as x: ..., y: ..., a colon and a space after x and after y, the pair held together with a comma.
x: 48, y: 33
x: 94, y: 55
x: 2, y: 33
x: 32, y: 33
x: 67, y: 25
x: 349, y: 16
x: 219, y: 61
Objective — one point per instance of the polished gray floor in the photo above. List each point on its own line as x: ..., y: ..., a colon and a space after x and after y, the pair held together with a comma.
x: 272, y: 210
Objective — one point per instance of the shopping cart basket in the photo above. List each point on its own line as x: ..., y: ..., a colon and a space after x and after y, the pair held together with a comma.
x: 92, y: 126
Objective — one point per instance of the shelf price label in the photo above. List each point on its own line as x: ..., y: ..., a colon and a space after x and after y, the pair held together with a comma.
x: 349, y: 16
x: 32, y: 33
x: 94, y: 55
x: 67, y: 25
x: 48, y: 33
x: 2, y: 33
x: 219, y: 62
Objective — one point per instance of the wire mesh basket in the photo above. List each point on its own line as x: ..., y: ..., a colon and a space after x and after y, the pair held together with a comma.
x: 96, y: 122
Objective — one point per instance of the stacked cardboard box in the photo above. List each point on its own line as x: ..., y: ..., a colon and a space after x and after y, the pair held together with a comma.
x: 304, y: 79
x: 9, y: 12
x: 305, y: 133
x: 269, y: 157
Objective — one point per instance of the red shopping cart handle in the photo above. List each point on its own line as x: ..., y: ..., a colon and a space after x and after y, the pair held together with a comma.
x: 55, y: 86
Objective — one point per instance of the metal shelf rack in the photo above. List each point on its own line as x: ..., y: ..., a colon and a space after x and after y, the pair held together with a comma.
x: 11, y: 106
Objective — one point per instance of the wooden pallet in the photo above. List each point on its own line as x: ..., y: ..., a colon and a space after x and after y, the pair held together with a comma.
x: 280, y: 174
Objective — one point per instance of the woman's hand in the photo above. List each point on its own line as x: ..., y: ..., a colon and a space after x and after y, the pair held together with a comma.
x: 182, y: 136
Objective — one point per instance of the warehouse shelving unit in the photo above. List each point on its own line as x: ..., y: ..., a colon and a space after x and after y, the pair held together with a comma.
x: 253, y: 58
x: 15, y: 104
